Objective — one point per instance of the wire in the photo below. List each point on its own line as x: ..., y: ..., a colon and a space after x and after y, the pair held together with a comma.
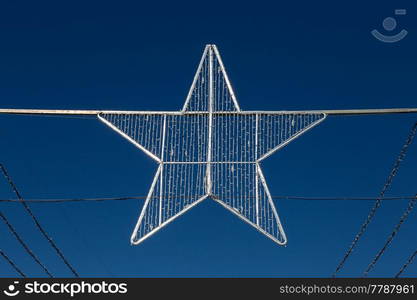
x: 65, y: 200
x: 378, y: 202
x: 340, y: 198
x: 75, y: 200
x: 85, y: 117
x: 392, y: 235
x: 35, y: 220
x: 24, y: 245
x: 14, y: 266
x: 409, y: 261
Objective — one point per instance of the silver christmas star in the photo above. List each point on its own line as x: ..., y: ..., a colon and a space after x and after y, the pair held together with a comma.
x: 210, y: 149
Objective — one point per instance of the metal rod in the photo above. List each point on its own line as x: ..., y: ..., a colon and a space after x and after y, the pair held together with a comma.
x: 271, y: 203
x: 200, y: 66
x: 142, y: 214
x: 256, y: 171
x: 133, y: 237
x: 226, y: 78
x: 283, y: 144
x: 375, y: 111
x: 210, y: 120
x: 150, y: 154
x: 161, y: 181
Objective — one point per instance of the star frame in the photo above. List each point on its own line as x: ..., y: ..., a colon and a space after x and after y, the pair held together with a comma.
x: 211, y: 149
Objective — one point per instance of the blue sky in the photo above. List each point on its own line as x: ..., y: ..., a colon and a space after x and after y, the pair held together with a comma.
x: 142, y: 56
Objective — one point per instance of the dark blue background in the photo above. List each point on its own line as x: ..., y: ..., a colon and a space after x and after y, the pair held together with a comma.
x: 142, y: 56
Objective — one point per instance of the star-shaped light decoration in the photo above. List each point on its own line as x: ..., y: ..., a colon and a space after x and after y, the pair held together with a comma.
x: 210, y: 149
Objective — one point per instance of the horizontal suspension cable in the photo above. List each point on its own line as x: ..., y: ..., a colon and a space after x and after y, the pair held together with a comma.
x: 373, y: 111
x: 101, y: 199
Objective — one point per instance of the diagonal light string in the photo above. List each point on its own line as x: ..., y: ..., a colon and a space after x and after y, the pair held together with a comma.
x: 378, y: 202
x: 24, y: 245
x: 408, y: 262
x: 391, y: 236
x: 12, y: 264
x: 35, y: 220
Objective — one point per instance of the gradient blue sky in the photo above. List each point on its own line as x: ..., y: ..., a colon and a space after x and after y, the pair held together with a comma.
x: 142, y: 56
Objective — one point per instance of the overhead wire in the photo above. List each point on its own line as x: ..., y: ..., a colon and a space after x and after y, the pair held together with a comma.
x: 407, y: 263
x: 306, y: 198
x: 378, y: 202
x: 35, y: 220
x: 85, y: 117
x: 12, y: 264
x: 24, y: 245
x: 391, y: 236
